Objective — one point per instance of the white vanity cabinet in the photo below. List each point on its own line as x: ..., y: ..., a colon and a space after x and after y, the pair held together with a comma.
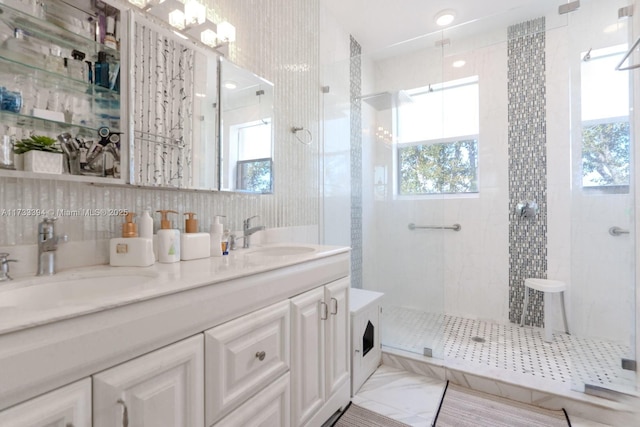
x: 264, y: 348
x: 162, y: 388
x: 320, y: 353
x: 244, y: 356
x: 68, y: 406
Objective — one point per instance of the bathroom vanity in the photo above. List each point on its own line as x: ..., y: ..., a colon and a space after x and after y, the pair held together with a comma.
x: 257, y: 338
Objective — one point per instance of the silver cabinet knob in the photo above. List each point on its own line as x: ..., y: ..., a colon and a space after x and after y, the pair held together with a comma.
x: 261, y: 355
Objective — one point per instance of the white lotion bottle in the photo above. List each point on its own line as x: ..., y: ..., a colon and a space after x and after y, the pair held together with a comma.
x: 216, y: 236
x: 168, y: 240
x: 145, y: 224
x: 145, y: 230
x: 194, y: 245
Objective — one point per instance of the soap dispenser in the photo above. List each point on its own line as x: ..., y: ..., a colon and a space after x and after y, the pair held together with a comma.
x: 130, y: 250
x: 194, y: 245
x: 216, y: 236
x: 168, y: 239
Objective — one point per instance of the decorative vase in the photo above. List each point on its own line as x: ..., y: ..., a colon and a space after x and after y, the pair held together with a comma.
x: 42, y: 162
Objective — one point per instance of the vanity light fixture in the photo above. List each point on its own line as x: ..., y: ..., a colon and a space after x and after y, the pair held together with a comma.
x: 226, y: 32
x: 191, y: 18
x: 445, y: 17
x: 176, y: 19
x: 195, y: 13
x: 459, y: 63
x: 209, y: 37
x: 140, y: 3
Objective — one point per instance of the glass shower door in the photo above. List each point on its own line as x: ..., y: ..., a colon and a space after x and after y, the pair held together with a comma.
x: 603, y: 261
x: 403, y: 138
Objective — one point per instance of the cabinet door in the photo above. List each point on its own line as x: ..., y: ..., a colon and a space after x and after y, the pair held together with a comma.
x: 69, y: 406
x: 269, y: 408
x: 307, y: 350
x: 337, y: 335
x: 162, y: 388
x: 243, y: 356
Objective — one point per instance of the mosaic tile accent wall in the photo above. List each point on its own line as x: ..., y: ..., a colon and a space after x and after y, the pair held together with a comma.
x: 527, y: 165
x: 278, y: 40
x: 355, y: 71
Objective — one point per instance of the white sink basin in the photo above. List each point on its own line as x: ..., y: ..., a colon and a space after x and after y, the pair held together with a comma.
x: 283, y: 250
x: 64, y: 290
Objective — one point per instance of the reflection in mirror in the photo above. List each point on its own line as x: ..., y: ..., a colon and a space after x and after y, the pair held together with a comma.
x: 246, y: 133
x: 174, y: 110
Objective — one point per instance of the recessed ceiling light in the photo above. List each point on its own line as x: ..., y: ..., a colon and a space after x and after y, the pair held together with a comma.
x: 445, y: 17
x: 230, y: 84
x: 459, y: 63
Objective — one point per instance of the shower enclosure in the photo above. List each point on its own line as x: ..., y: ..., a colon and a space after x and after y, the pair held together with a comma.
x: 457, y: 128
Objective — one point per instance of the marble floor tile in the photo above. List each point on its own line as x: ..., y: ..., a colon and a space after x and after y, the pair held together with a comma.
x: 404, y: 396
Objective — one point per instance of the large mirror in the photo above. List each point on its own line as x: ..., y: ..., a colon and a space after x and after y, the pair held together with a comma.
x: 246, y: 130
x: 173, y: 101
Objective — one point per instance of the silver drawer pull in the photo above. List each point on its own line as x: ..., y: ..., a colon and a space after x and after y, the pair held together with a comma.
x: 261, y: 355
x: 335, y: 310
x: 325, y: 310
x: 125, y: 413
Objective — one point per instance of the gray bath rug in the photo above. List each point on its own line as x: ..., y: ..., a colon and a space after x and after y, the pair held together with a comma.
x: 462, y: 407
x: 357, y: 416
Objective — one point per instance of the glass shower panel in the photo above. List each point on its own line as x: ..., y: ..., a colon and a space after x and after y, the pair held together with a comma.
x: 601, y: 295
x: 400, y: 188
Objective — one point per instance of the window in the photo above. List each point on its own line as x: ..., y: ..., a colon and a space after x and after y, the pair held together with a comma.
x: 437, y: 150
x: 605, y: 121
x: 253, y: 161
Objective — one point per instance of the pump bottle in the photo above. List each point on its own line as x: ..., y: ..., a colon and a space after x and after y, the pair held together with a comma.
x: 168, y: 239
x: 130, y: 250
x: 194, y: 245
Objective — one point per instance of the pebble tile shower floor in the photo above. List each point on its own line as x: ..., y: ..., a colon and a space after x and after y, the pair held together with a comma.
x: 518, y: 349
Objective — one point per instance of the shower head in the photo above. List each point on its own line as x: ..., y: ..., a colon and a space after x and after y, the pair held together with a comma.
x: 386, y: 100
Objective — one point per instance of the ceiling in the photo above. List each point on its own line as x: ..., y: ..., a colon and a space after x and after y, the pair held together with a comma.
x: 379, y: 24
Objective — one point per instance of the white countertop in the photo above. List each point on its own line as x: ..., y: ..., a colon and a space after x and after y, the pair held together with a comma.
x: 157, y: 280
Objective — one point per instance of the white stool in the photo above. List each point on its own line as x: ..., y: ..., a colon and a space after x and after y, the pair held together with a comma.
x: 546, y: 286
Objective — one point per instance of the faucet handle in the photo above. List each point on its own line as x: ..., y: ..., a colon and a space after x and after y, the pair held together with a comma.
x: 247, y: 222
x: 4, y: 260
x: 4, y: 266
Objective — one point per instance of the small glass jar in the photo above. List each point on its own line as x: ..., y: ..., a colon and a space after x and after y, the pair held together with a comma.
x: 6, y: 152
x: 10, y: 100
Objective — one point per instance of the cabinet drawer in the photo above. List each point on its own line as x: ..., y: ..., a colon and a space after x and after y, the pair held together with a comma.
x: 243, y: 356
x: 269, y: 408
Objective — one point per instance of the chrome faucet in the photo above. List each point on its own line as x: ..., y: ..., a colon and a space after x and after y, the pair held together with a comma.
x: 4, y: 267
x: 47, y: 246
x: 247, y: 231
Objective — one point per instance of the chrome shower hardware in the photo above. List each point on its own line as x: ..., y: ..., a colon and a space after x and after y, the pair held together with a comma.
x: 527, y: 209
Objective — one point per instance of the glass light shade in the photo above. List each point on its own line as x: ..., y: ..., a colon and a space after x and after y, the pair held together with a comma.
x: 139, y: 3
x: 176, y: 19
x: 209, y: 37
x: 195, y: 12
x: 226, y: 31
